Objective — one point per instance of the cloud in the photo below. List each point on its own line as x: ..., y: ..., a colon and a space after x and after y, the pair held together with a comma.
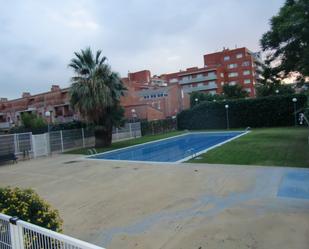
x: 38, y: 38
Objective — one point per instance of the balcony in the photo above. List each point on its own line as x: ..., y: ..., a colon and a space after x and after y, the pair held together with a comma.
x: 63, y: 119
x: 197, y: 79
x: 5, y: 125
x: 210, y: 86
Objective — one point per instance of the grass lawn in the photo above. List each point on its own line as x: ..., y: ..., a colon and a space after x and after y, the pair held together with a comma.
x: 269, y: 146
x: 126, y: 143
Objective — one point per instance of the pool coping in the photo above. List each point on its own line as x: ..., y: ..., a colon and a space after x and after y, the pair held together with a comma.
x: 176, y: 162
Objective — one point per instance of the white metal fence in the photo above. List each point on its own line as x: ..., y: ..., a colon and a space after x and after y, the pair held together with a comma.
x: 18, y: 234
x: 18, y: 144
x: 26, y: 144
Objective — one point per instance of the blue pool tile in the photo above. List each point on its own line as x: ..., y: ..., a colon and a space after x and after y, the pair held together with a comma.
x: 169, y: 150
x: 295, y: 184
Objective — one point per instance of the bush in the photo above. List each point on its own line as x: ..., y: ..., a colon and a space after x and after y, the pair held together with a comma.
x: 53, y: 127
x: 201, y: 97
x: 260, y: 112
x: 28, y: 206
x: 158, y: 126
x: 32, y: 121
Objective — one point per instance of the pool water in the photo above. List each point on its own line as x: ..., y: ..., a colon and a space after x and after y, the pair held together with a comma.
x: 174, y: 149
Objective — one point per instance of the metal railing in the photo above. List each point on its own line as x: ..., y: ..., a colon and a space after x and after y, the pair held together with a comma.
x: 209, y: 86
x: 18, y: 234
x: 197, y: 79
x: 5, y: 125
x: 27, y: 145
x: 17, y: 144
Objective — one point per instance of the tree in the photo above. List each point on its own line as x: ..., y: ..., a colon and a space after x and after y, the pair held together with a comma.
x: 287, y: 42
x: 32, y: 121
x: 234, y: 92
x: 95, y: 92
x: 269, y: 83
x: 200, y: 96
x: 28, y: 206
x: 273, y: 89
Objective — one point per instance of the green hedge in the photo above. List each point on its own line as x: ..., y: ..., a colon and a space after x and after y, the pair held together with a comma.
x: 158, y: 126
x: 259, y: 112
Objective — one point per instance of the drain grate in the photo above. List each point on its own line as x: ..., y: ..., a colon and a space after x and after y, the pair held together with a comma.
x: 70, y: 162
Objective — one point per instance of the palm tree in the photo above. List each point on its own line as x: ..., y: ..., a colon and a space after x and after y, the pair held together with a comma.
x: 95, y: 93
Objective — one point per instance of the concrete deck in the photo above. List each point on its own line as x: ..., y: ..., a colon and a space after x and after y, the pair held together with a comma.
x: 124, y: 205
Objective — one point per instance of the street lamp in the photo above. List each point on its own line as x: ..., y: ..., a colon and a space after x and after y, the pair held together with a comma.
x: 295, y: 115
x: 133, y: 111
x: 277, y: 91
x: 196, y: 101
x: 227, y: 116
x: 48, y: 115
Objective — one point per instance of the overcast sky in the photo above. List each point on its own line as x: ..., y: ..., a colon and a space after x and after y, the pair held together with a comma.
x: 38, y: 38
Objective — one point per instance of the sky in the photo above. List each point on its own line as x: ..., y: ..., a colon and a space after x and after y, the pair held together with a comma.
x: 38, y: 38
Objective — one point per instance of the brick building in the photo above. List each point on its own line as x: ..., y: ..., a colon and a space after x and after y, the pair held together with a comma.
x: 150, y: 97
x: 237, y: 66
x: 56, y: 101
x: 147, y: 97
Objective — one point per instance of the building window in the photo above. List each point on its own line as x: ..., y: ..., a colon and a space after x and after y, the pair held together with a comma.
x: 227, y: 58
x: 165, y: 94
x: 247, y: 72
x: 222, y: 83
x: 232, y: 83
x: 246, y: 63
x: 233, y: 74
x: 234, y: 65
x: 222, y: 75
x: 238, y: 56
x: 200, y: 84
x: 211, y: 74
x: 247, y: 81
x: 248, y: 90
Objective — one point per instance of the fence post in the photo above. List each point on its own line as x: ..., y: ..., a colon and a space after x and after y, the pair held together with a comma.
x: 48, y: 147
x: 130, y: 129
x: 61, y: 138
x: 33, y: 145
x: 83, y: 137
x: 15, y: 144
x: 117, y: 134
x: 16, y: 233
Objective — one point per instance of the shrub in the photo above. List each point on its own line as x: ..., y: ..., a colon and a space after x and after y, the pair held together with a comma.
x: 158, y: 126
x: 28, y: 206
x: 201, y: 97
x: 32, y: 121
x: 260, y: 112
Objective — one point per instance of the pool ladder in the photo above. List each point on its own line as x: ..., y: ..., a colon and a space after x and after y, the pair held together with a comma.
x: 191, y: 152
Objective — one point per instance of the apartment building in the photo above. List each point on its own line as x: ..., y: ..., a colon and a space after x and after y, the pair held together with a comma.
x: 147, y: 97
x: 236, y: 66
x: 150, y: 97
x: 56, y: 101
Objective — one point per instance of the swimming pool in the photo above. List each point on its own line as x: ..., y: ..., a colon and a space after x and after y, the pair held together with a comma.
x: 175, y: 149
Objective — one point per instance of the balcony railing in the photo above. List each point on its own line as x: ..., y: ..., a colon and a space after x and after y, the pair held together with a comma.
x: 200, y: 88
x: 62, y: 119
x: 5, y: 125
x: 197, y: 79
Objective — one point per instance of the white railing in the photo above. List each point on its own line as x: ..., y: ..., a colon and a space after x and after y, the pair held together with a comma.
x: 5, y: 125
x: 18, y: 234
x: 18, y: 144
x: 26, y: 145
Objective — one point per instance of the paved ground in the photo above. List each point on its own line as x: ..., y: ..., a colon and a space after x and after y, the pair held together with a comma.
x: 188, y: 206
